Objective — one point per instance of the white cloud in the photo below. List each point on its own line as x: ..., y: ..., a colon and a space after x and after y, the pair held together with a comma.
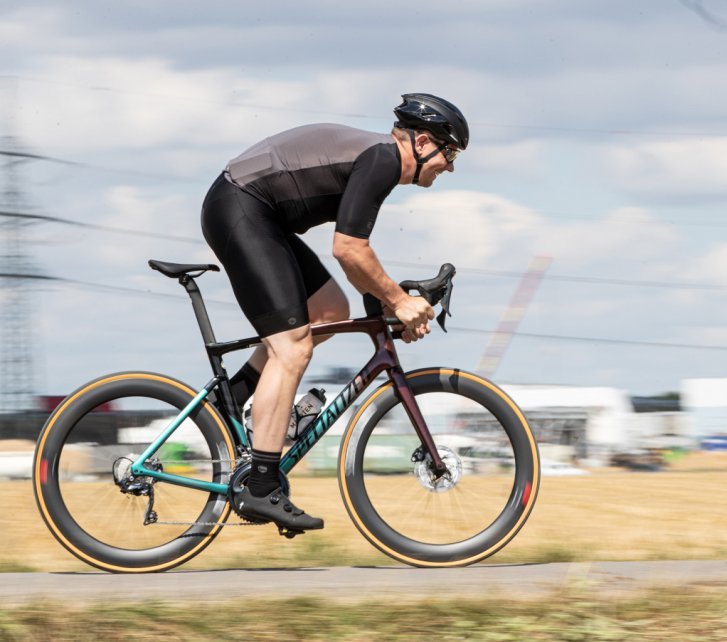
x: 710, y: 268
x: 471, y: 226
x: 23, y: 25
x: 675, y: 168
x: 115, y: 104
x: 486, y: 230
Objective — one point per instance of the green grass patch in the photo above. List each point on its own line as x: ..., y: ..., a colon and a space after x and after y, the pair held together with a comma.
x: 553, y: 553
x: 691, y: 614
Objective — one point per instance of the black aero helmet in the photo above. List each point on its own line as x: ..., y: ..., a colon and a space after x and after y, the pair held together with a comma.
x: 435, y: 115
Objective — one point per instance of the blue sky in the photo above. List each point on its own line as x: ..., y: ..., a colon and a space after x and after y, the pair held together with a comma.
x: 599, y: 139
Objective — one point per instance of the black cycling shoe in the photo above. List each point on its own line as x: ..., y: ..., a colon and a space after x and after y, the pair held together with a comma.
x: 277, y: 508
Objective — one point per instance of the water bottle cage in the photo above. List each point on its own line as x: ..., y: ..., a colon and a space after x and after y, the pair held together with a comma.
x: 305, y: 412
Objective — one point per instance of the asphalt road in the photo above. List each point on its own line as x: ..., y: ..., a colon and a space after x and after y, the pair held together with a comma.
x: 511, y: 581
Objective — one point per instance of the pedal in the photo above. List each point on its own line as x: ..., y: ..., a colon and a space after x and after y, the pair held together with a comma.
x: 290, y: 533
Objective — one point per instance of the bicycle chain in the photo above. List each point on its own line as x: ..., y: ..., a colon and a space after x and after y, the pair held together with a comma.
x: 200, y: 461
x: 205, y: 461
x: 208, y: 524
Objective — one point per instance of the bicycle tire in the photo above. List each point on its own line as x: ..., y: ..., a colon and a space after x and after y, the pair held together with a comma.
x: 86, y: 510
x: 414, y: 519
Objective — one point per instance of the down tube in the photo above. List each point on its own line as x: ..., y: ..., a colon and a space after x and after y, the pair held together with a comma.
x: 328, y: 417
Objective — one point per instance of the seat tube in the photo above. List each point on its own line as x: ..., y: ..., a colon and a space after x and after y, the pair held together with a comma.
x: 408, y: 400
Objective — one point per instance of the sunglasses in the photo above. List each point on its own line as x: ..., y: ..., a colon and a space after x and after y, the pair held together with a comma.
x: 449, y: 153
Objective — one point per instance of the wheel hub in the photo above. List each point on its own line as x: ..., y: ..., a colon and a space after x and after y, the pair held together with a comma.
x: 127, y: 482
x: 139, y: 486
x: 423, y: 470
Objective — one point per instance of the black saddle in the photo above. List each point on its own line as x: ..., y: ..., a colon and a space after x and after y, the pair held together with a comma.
x: 175, y: 270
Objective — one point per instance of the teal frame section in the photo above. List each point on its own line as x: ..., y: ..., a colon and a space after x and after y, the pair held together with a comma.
x: 139, y: 468
x: 305, y: 442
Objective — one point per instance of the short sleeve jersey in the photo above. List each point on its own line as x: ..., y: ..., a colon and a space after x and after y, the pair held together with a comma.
x: 320, y: 173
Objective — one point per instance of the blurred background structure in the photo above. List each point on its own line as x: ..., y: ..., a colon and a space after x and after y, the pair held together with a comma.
x: 16, y: 266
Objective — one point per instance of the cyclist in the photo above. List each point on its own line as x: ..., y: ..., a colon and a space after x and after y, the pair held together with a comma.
x: 252, y: 217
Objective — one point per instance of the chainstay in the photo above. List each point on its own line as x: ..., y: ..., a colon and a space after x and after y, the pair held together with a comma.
x: 206, y: 461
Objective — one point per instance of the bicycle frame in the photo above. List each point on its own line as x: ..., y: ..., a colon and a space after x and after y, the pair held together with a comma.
x: 385, y: 358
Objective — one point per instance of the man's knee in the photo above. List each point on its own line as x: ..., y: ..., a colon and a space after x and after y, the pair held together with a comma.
x: 293, y: 348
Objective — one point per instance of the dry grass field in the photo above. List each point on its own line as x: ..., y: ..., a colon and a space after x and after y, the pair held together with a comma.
x: 666, y: 616
x: 679, y: 513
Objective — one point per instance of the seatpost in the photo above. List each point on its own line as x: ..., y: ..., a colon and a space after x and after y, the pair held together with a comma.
x: 200, y: 311
x: 199, y: 308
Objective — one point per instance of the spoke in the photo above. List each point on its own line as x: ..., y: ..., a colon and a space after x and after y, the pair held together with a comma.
x: 463, y: 506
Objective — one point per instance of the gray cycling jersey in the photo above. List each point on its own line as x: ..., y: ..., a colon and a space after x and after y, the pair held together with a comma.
x: 318, y: 173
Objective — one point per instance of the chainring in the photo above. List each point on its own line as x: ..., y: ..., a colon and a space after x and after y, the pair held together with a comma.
x: 238, y: 480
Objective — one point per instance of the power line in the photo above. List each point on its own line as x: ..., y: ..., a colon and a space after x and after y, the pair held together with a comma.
x: 670, y: 285
x: 13, y: 154
x: 525, y: 335
x: 105, y: 288
x: 604, y: 340
x: 511, y: 274
x: 104, y: 228
x: 28, y: 275
x: 697, y: 7
x: 115, y: 170
x: 625, y: 219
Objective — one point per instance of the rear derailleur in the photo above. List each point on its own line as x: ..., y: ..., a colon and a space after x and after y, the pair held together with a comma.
x: 139, y: 486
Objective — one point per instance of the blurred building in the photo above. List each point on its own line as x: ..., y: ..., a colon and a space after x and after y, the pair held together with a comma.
x: 574, y: 426
x: 705, y: 405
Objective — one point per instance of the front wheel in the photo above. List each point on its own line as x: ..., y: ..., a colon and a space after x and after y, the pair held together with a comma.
x: 87, y: 495
x: 468, y: 514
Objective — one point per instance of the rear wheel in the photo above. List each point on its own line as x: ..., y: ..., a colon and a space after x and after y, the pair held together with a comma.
x: 398, y: 504
x: 85, y: 490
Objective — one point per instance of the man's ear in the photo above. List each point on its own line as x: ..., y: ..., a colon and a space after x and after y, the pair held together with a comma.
x: 420, y: 140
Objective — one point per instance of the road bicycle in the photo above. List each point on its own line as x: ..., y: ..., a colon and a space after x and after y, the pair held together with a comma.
x: 437, y: 467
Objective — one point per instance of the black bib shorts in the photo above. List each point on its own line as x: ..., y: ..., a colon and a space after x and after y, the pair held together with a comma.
x: 273, y: 272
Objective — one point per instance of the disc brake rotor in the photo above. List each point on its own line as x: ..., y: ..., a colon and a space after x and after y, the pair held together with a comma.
x: 423, y: 471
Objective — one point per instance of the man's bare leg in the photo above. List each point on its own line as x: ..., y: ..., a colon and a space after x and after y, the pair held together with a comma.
x: 328, y: 304
x: 288, y: 355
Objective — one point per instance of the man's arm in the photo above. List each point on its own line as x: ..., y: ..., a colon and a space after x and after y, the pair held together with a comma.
x: 363, y: 269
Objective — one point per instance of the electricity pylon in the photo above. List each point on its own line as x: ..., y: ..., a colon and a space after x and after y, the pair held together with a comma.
x: 16, y: 270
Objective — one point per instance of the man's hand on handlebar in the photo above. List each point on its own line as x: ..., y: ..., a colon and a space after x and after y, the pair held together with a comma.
x: 415, y: 313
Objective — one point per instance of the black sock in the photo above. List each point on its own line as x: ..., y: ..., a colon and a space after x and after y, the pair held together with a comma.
x: 243, y: 384
x: 264, y: 473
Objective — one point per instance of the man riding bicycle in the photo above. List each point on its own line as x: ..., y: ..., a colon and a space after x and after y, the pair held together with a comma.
x: 252, y: 217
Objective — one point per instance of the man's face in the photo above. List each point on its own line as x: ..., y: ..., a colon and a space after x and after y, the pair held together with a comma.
x: 435, y: 165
